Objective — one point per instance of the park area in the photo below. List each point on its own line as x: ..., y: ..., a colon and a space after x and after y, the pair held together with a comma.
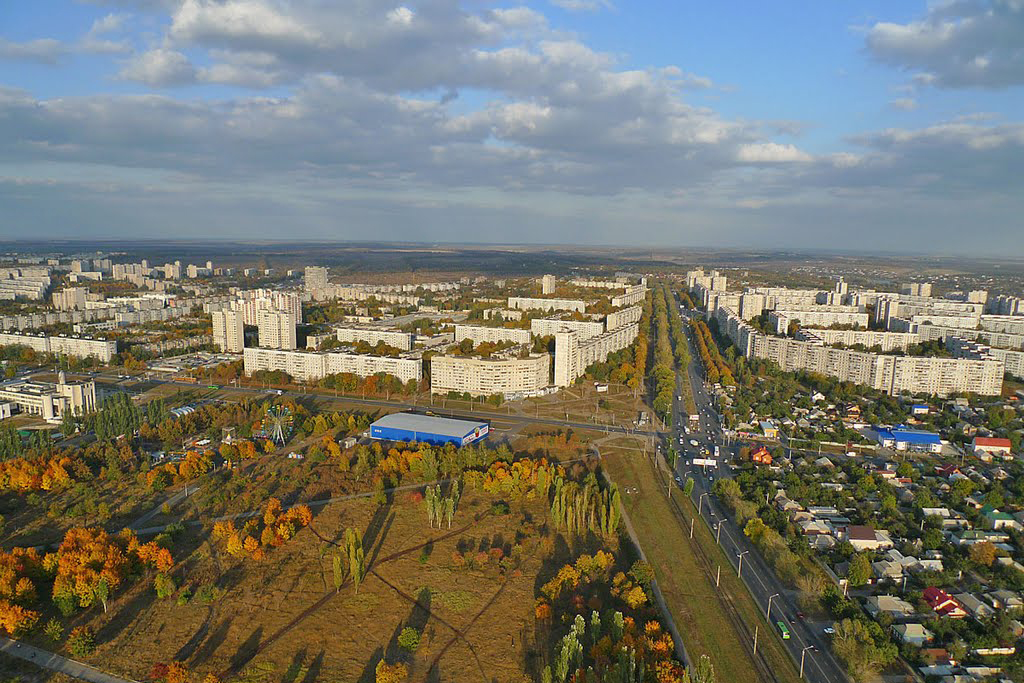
x: 323, y: 557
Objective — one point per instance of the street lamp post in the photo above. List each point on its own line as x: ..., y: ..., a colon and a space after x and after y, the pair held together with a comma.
x: 768, y: 612
x: 802, y: 653
x: 718, y: 533
x: 700, y: 502
x: 739, y: 570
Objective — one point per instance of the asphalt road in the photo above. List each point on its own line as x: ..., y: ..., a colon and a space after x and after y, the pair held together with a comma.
x: 55, y: 662
x: 820, y: 666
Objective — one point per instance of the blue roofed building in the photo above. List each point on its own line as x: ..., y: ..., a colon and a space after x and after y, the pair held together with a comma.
x: 416, y: 428
x: 913, y: 440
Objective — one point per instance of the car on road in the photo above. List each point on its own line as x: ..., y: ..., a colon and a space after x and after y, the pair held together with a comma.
x: 829, y: 631
x: 801, y: 616
x: 693, y: 443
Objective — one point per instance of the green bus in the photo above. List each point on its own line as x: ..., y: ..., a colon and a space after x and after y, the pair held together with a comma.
x: 783, y: 629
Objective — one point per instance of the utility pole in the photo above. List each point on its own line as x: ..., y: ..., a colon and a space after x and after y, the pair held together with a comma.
x: 768, y: 612
x: 756, y: 626
x: 718, y: 576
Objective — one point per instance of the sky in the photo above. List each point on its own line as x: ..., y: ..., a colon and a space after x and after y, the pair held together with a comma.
x: 863, y: 125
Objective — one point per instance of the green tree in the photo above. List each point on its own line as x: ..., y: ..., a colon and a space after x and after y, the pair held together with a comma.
x: 860, y: 570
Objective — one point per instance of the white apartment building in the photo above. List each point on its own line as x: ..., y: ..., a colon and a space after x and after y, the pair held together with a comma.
x: 597, y: 284
x: 547, y: 284
x: 623, y: 317
x: 315, y: 278
x: 228, y: 331
x: 50, y: 401
x: 573, y: 355
x: 253, y: 301
x: 713, y: 281
x: 503, y: 313
x: 922, y: 289
x: 80, y: 347
x: 922, y: 309
x: 277, y: 330
x: 1006, y: 305
x: 633, y: 295
x: 373, y: 335
x: 892, y: 374
x: 816, y: 317
x: 310, y: 366
x: 887, y: 341
x: 1010, y: 324
x: 1011, y: 360
x: 527, y: 303
x: 586, y: 329
x: 487, y: 376
x: 494, y: 335
x: 71, y: 299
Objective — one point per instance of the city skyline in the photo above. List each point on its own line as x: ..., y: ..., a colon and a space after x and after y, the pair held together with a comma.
x: 548, y: 122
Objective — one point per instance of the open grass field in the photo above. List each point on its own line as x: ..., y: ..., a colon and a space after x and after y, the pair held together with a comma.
x: 696, y: 604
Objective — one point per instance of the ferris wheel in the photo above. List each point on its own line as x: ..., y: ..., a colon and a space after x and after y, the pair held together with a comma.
x: 278, y: 423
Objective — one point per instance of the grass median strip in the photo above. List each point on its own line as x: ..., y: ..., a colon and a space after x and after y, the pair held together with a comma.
x: 699, y: 608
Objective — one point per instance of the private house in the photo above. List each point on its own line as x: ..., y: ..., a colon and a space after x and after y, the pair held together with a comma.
x: 912, y: 634
x: 943, y: 604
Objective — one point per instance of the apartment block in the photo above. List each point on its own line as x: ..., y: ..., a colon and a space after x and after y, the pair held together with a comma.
x: 228, y: 331
x: 277, y: 329
x: 529, y: 303
x: 886, y: 341
x: 623, y: 317
x: 480, y: 333
x: 574, y: 355
x: 1010, y: 324
x: 374, y: 335
x: 633, y: 295
x: 79, y: 347
x: 547, y: 284
x: 817, y: 317
x: 253, y: 302
x: 586, y: 329
x: 310, y: 366
x: 892, y: 374
x: 923, y: 289
x: 71, y: 299
x: 315, y: 278
x: 487, y: 376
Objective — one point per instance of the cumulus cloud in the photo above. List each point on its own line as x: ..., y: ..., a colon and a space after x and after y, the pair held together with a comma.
x: 903, y: 103
x: 957, y: 44
x: 160, y: 67
x: 582, y: 5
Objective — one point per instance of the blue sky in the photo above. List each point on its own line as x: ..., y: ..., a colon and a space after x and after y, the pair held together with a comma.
x: 819, y: 124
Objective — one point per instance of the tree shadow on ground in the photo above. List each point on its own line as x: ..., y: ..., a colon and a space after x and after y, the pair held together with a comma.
x: 369, y: 674
x: 215, y: 640
x: 247, y: 650
x: 313, y: 671
x: 291, y: 674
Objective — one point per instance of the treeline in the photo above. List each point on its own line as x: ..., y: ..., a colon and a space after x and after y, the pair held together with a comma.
x: 663, y: 373
x: 581, y: 507
x: 714, y: 365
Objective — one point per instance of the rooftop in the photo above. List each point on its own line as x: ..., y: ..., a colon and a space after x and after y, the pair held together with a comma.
x: 415, y: 422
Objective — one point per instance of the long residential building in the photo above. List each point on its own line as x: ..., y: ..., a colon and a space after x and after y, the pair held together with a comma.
x: 310, y: 366
x: 374, y: 335
x: 488, y: 376
x: 79, y: 347
x: 814, y: 317
x: 546, y: 327
x: 574, y: 355
x: 1002, y: 340
x: 1012, y: 361
x: 527, y: 303
x: 888, y: 373
x: 634, y: 294
x: 886, y: 341
x: 494, y: 335
x: 1010, y: 324
x: 622, y: 317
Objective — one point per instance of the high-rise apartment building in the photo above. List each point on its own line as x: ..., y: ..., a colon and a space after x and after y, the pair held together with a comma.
x: 316, y: 278
x: 277, y: 330
x: 547, y: 284
x: 228, y: 331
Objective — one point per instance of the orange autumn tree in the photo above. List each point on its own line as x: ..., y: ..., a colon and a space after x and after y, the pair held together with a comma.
x: 38, y: 474
x: 18, y: 590
x: 278, y: 527
x: 91, y: 565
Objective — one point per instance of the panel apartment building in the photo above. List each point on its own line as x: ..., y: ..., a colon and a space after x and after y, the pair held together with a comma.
x: 277, y: 329
x: 228, y: 331
x: 573, y: 355
x: 528, y: 303
x: 494, y: 335
x: 79, y: 347
x: 310, y: 366
x: 891, y: 374
x: 374, y: 335
x: 487, y: 376
x: 546, y: 327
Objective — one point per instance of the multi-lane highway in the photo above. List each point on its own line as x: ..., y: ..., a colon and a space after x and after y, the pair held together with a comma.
x: 807, y: 640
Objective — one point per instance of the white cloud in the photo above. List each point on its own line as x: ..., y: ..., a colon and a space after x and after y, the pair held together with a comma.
x: 771, y: 152
x: 160, y: 67
x: 582, y: 5
x: 903, y: 103
x: 957, y: 44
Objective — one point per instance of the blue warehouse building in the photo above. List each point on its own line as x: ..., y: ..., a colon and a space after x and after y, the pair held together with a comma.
x: 417, y: 428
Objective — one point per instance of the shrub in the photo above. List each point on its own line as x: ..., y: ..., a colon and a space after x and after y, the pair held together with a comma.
x: 54, y: 630
x: 409, y: 639
x: 81, y: 642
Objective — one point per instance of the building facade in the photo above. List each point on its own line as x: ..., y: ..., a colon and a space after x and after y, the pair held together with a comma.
x: 488, y: 376
x: 228, y: 331
x: 310, y: 366
x: 528, y: 303
x: 481, y: 333
x: 374, y: 335
x: 277, y: 330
